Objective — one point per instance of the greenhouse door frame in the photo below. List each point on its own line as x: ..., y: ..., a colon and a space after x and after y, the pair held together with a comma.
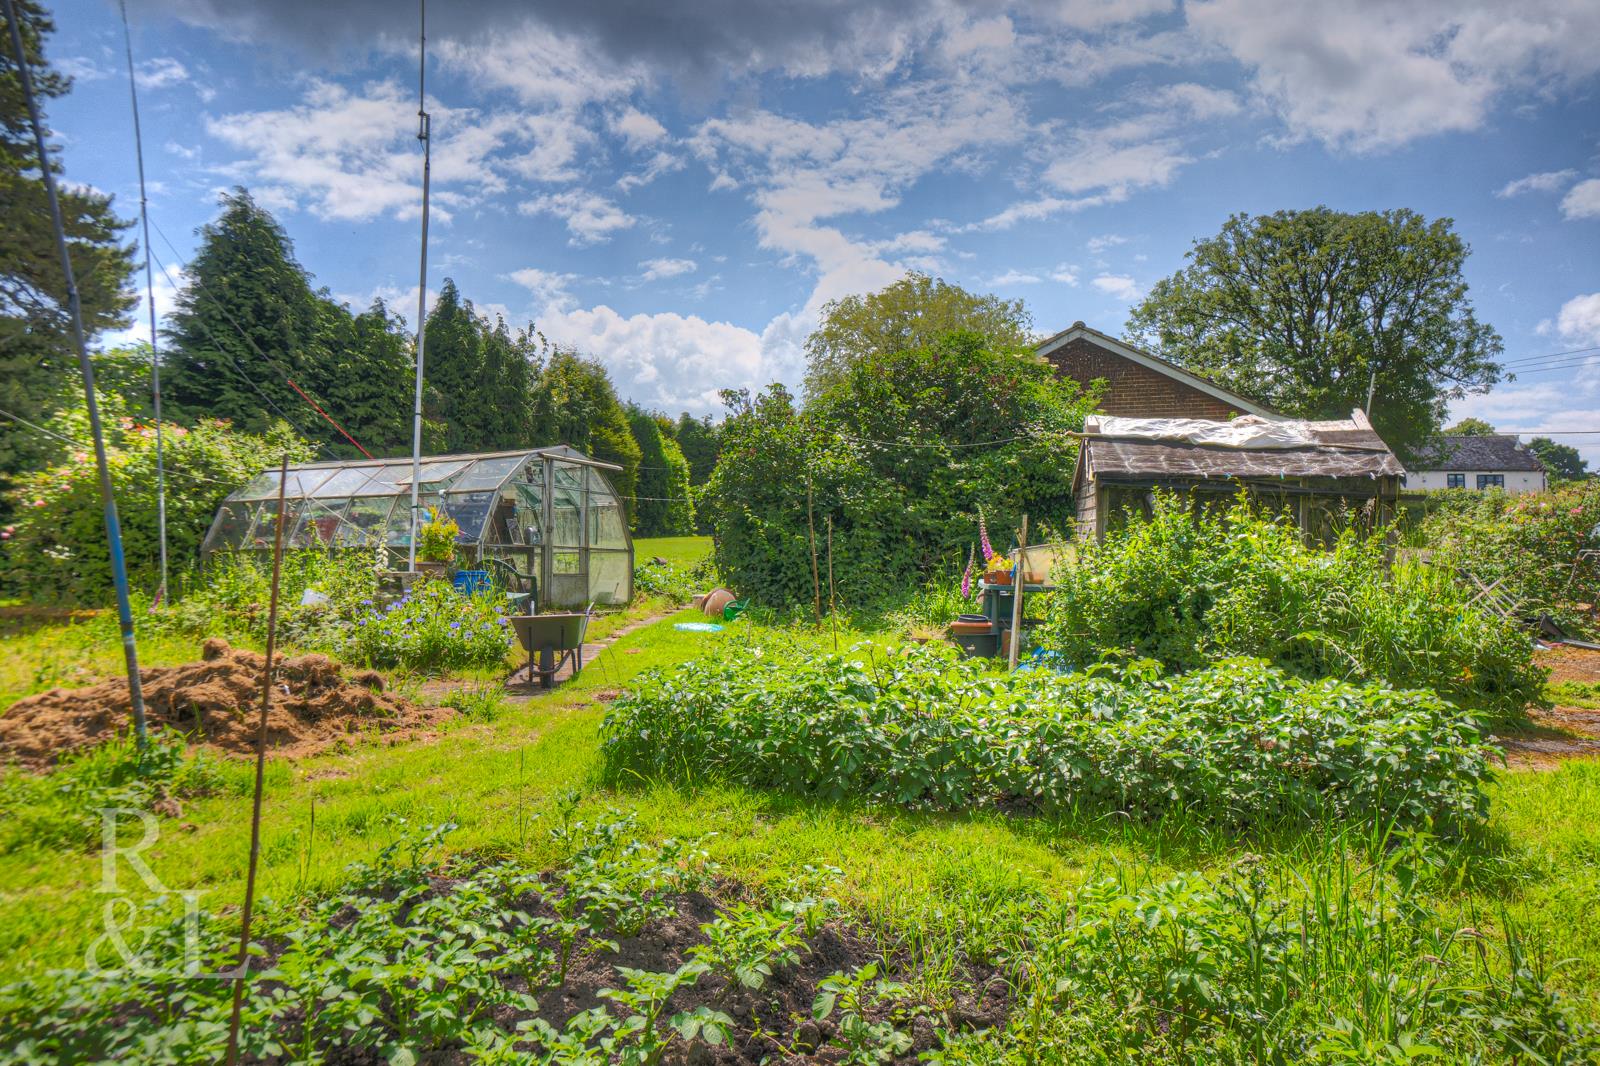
x: 547, y: 564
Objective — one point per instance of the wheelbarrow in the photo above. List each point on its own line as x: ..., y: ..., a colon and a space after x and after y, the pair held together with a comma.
x: 555, y: 639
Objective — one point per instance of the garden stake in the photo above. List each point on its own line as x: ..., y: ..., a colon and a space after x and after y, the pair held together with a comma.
x: 816, y: 581
x: 833, y: 609
x: 108, y: 500
x: 242, y: 972
x: 1016, y: 592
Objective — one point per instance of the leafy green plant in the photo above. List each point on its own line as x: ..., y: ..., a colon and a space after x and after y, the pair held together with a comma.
x: 1188, y: 589
x: 1241, y: 743
x: 854, y: 994
x: 436, y: 540
x: 433, y: 628
x: 745, y: 944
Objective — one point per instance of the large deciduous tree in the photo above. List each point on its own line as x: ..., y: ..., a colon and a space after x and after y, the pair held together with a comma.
x: 912, y: 313
x: 38, y: 368
x: 1305, y: 310
x: 1561, y: 461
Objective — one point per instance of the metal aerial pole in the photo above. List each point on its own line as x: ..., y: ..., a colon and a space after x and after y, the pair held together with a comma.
x: 119, y: 566
x: 423, y: 134
x: 150, y: 301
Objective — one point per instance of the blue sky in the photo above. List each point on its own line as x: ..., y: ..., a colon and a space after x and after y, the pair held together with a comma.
x: 678, y: 189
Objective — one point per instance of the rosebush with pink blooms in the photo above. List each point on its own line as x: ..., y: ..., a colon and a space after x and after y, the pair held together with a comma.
x: 55, y: 547
x: 1542, y: 547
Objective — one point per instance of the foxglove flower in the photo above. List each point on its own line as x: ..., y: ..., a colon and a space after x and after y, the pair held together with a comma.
x: 983, y: 538
x: 966, y: 576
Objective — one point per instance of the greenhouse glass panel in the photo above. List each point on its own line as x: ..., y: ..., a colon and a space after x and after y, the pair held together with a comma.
x: 469, y: 509
x: 430, y: 474
x: 319, y: 523
x: 364, y: 522
x: 265, y: 530
x: 606, y: 526
x: 527, y: 523
x: 261, y: 487
x: 361, y: 481
x: 566, y: 506
x: 306, y: 482
x: 487, y: 473
x: 399, y: 530
x: 232, y: 526
x: 610, y: 577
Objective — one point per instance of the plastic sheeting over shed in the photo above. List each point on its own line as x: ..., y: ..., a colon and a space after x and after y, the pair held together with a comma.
x: 545, y: 519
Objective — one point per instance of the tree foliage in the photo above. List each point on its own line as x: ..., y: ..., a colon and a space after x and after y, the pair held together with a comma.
x: 575, y: 403
x: 1470, y: 427
x: 1300, y: 309
x: 901, y: 451
x: 1561, y: 461
x: 56, y: 544
x: 912, y: 313
x: 38, y: 359
x: 663, y: 507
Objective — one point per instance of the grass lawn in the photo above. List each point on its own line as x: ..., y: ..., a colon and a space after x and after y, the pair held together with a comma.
x: 938, y: 886
x: 686, y: 552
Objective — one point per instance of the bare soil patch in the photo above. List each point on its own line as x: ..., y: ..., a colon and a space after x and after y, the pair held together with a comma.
x: 1561, y: 732
x: 216, y: 702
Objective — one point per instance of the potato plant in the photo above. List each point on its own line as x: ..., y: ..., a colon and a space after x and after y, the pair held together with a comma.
x: 1241, y: 743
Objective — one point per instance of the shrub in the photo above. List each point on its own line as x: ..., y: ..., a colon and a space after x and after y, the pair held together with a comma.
x: 1187, y: 589
x: 899, y: 450
x: 55, y: 549
x: 1541, y: 550
x: 433, y: 628
x: 1241, y: 743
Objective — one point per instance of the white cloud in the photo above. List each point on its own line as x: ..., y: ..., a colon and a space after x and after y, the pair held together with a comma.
x: 1198, y: 102
x: 161, y: 73
x: 637, y: 129
x: 1548, y: 181
x: 352, y: 156
x: 1096, y: 245
x: 1371, y: 74
x: 1066, y: 274
x: 1544, y: 408
x: 1582, y: 200
x: 555, y: 140
x: 590, y: 217
x: 660, y: 163
x: 1120, y: 286
x: 1012, y: 277
x: 541, y: 67
x: 1579, y: 320
x: 658, y: 269
x: 549, y: 288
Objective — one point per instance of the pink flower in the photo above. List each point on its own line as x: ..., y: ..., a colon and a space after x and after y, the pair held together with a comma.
x: 38, y: 503
x: 1576, y: 511
x: 966, y: 576
x: 5, y: 534
x: 983, y: 538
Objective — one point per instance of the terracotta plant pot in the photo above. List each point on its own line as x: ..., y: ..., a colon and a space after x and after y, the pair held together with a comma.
x: 998, y: 579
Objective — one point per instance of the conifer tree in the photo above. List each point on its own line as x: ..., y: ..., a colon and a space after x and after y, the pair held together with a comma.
x: 247, y: 322
x: 663, y: 495
x: 38, y: 360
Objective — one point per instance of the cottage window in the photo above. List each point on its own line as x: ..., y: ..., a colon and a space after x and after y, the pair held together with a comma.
x: 1491, y: 481
x: 1456, y: 481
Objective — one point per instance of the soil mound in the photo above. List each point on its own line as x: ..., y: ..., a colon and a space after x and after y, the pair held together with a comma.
x: 217, y: 702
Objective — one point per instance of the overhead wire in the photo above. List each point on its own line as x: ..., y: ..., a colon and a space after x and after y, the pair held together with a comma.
x: 150, y: 300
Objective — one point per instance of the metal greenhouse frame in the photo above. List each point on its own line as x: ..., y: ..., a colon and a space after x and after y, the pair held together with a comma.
x: 543, y: 520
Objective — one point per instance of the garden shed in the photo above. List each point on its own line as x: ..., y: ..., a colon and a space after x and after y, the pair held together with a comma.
x: 1315, y: 471
x: 542, y: 520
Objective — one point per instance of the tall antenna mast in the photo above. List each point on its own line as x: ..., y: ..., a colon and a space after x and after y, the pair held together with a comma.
x: 150, y: 300
x: 119, y: 566
x: 424, y: 131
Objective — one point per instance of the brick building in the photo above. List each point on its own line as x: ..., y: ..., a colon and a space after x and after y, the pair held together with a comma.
x: 1141, y: 385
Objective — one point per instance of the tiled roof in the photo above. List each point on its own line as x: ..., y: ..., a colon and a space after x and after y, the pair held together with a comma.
x: 1500, y: 451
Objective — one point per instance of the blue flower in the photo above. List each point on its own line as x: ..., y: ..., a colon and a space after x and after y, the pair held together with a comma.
x: 455, y: 625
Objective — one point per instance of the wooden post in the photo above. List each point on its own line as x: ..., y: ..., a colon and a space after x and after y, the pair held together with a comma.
x: 816, y: 581
x: 833, y: 608
x: 1016, y: 593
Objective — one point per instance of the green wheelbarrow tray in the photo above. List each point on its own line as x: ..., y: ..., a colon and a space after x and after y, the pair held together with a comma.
x: 555, y: 639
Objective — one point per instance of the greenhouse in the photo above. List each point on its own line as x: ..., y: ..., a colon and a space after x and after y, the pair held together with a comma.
x: 544, y: 521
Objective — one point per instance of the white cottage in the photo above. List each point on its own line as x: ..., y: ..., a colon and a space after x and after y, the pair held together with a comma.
x: 1497, y: 461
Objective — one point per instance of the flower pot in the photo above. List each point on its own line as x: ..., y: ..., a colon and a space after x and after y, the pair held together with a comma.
x: 998, y: 579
